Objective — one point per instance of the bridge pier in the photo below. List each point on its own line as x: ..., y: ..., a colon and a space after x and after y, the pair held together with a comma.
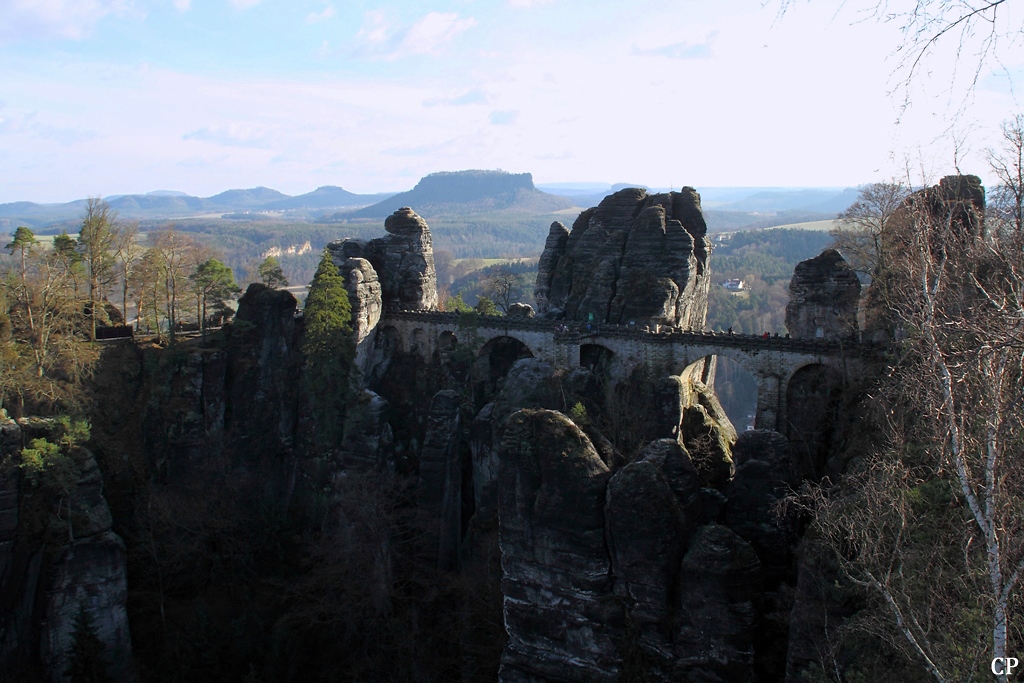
x: 769, y: 402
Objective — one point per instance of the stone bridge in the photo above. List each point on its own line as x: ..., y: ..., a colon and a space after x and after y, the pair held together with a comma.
x: 774, y: 362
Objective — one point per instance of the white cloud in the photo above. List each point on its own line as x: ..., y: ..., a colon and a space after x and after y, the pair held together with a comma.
x: 232, y: 135
x: 323, y: 51
x: 314, y: 17
x: 504, y: 118
x: 243, y: 4
x: 525, y: 4
x: 32, y: 125
x: 473, y: 96
x: 182, y: 5
x: 73, y: 19
x: 379, y: 38
x: 435, y: 29
x: 683, y: 50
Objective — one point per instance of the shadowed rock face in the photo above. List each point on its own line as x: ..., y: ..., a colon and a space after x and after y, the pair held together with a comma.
x: 261, y: 408
x: 439, y: 493
x: 557, y: 572
x: 720, y: 579
x: 823, y: 298
x: 634, y: 257
x: 610, y: 575
x: 46, y: 583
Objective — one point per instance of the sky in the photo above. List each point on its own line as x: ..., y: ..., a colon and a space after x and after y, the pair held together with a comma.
x: 104, y: 97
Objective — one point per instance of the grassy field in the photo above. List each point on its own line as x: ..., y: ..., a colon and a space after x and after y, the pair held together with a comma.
x: 468, y: 265
x: 822, y: 226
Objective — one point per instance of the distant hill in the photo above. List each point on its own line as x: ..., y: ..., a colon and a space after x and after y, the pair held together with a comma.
x: 255, y: 198
x: 166, y: 204
x: 326, y: 197
x: 825, y: 201
x: 462, y: 192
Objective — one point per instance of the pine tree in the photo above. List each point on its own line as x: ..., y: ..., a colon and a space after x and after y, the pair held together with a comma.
x: 329, y: 348
x: 213, y: 283
x: 271, y: 273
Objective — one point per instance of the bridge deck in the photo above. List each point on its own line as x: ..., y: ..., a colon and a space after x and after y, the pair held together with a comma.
x: 571, y: 331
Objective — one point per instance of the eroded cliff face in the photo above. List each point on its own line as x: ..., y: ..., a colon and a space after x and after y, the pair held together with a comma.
x: 640, y: 571
x: 634, y: 258
x: 59, y: 558
x: 824, y: 295
x: 396, y: 270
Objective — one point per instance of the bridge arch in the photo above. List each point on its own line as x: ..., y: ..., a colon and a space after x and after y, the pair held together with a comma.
x: 600, y: 360
x: 813, y: 396
x: 418, y: 342
x: 738, y: 389
x: 494, y: 360
x: 446, y: 341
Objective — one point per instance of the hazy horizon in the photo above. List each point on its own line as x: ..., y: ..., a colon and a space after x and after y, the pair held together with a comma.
x: 127, y: 96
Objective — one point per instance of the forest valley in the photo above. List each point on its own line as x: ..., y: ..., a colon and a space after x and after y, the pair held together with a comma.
x: 259, y: 548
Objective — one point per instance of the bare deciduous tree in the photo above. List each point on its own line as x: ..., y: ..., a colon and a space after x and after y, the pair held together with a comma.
x: 932, y: 524
x: 978, y: 31
x: 861, y: 230
x: 128, y: 252
x: 503, y: 287
x: 97, y: 243
x: 1006, y: 202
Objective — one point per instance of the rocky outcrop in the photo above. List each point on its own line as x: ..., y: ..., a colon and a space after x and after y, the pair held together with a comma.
x: 646, y: 541
x: 823, y: 298
x: 765, y: 475
x: 720, y: 580
x: 440, y: 486
x: 554, y: 250
x: 368, y: 436
x: 952, y: 214
x: 557, y: 573
x: 612, y: 574
x: 520, y: 310
x: 364, y: 295
x: 50, y: 573
x: 708, y: 445
x: 958, y: 201
x: 402, y: 263
x: 262, y: 410
x: 633, y: 258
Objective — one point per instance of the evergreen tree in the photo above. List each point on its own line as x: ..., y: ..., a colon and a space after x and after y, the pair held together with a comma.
x: 24, y: 240
x: 485, y: 306
x: 271, y: 273
x: 329, y: 348
x: 213, y: 283
x: 88, y: 663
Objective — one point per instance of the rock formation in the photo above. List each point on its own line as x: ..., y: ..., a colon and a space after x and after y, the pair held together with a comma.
x: 263, y: 365
x: 823, y: 298
x: 952, y: 213
x: 559, y: 611
x: 611, y: 574
x: 520, y: 310
x: 402, y: 263
x: 440, y: 486
x: 49, y: 574
x: 634, y: 258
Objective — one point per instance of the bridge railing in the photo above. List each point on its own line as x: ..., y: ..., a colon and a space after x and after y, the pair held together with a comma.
x: 569, y: 331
